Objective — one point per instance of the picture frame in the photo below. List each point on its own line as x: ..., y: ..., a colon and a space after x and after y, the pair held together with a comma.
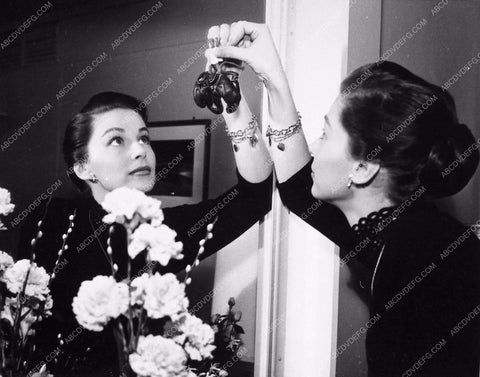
x: 182, y: 150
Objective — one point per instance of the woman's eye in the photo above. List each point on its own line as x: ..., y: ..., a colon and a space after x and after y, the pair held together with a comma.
x: 145, y: 139
x: 117, y: 140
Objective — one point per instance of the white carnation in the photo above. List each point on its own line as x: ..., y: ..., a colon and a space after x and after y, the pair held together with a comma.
x: 165, y: 296
x: 137, y: 289
x: 157, y: 356
x: 99, y: 300
x: 32, y: 311
x: 196, y: 337
x: 5, y: 206
x: 6, y: 261
x: 8, y: 310
x: 124, y: 202
x: 28, y: 316
x: 37, y: 285
x: 160, y: 242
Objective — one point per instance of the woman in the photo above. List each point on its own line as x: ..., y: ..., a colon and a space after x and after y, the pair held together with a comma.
x: 385, y: 151
x: 106, y: 146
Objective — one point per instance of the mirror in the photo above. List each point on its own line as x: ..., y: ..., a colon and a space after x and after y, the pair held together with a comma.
x: 68, y: 51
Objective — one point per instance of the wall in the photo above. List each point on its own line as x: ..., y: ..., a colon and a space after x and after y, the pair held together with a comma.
x: 137, y: 66
x: 450, y: 38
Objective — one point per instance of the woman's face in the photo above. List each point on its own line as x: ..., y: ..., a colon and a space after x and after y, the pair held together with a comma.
x: 332, y: 163
x: 119, y: 152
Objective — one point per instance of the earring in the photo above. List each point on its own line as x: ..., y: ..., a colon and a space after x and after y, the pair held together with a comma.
x: 349, y: 183
x: 93, y: 179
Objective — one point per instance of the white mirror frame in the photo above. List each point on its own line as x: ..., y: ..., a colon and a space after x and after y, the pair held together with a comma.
x: 297, y: 287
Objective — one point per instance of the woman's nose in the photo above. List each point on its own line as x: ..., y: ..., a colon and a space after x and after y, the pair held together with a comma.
x: 138, y: 151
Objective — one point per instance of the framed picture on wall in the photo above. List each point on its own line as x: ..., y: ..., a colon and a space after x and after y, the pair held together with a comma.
x: 182, y: 158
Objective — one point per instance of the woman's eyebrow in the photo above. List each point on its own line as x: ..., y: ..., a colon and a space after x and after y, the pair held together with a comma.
x: 142, y: 129
x: 113, y: 129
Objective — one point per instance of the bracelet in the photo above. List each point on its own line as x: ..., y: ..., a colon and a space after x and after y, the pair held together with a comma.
x: 279, y: 136
x: 247, y: 134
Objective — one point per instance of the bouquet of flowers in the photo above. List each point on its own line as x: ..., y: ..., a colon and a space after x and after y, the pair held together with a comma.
x: 24, y: 301
x: 136, y: 302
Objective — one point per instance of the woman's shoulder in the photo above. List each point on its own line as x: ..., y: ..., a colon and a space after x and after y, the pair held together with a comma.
x: 430, y: 249
x: 55, y: 210
x: 61, y: 205
x: 426, y: 221
x: 426, y: 235
x: 53, y: 214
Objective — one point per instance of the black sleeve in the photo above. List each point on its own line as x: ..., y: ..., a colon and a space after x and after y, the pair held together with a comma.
x: 237, y: 210
x: 326, y: 218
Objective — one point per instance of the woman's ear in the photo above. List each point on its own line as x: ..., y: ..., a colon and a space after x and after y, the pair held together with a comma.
x: 364, y: 172
x: 82, y: 171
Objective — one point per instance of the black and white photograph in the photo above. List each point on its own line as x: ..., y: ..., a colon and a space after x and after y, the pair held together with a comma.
x: 256, y: 188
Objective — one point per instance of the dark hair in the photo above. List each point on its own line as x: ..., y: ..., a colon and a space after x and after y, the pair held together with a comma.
x: 413, y: 126
x: 79, y: 129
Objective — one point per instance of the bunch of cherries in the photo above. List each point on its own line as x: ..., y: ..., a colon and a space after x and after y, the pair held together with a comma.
x: 219, y: 81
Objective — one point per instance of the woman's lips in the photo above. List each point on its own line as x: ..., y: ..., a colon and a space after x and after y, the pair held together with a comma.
x: 144, y: 170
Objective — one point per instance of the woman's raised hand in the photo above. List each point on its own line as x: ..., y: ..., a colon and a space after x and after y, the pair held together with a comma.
x: 251, y: 43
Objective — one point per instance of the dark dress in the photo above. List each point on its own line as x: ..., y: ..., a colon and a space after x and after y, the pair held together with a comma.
x: 89, y: 353
x: 420, y: 272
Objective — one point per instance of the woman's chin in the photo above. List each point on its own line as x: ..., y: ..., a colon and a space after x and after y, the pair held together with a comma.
x: 316, y: 193
x: 321, y: 193
x: 144, y: 184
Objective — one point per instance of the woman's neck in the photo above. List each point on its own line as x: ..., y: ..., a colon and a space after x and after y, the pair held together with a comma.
x: 98, y: 194
x: 361, y: 205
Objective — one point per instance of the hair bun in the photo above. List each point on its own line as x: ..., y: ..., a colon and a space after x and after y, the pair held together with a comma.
x: 451, y: 163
